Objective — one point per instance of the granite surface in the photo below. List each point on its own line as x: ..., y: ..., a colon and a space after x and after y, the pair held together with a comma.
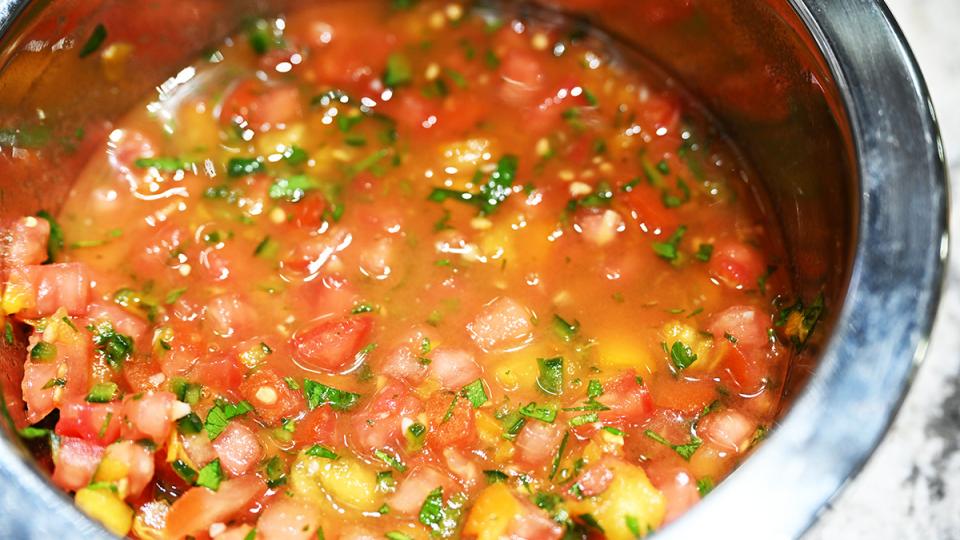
x: 910, y: 488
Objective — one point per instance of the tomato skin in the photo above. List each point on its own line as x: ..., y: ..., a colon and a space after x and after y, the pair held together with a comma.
x: 271, y: 397
x: 331, y: 344
x: 95, y: 422
x: 28, y: 241
x: 457, y: 430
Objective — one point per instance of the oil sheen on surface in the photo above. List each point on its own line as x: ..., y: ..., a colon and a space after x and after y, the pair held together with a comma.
x: 404, y: 271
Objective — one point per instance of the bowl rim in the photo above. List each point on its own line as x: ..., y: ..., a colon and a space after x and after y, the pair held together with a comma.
x: 886, y: 319
x: 899, y: 265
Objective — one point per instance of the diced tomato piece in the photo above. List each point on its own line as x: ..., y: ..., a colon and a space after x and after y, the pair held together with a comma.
x: 151, y: 415
x: 595, y: 479
x: 316, y: 427
x: 413, y: 490
x: 457, y: 429
x: 522, y: 74
x: 230, y: 315
x: 221, y: 372
x: 159, y: 248
x: 139, y: 465
x: 599, y: 227
x: 503, y: 324
x: 679, y: 393
x: 379, y: 423
x: 261, y: 105
x: 58, y: 285
x: 537, y: 443
x: 533, y: 522
x: 453, y: 368
x: 271, y: 397
x: 628, y: 399
x: 460, y: 464
x: 746, y: 324
x: 38, y: 397
x: 95, y: 422
x: 307, y: 213
x: 198, y: 447
x: 413, y: 112
x: 646, y: 208
x: 405, y: 363
x: 377, y: 259
x: 124, y: 148
x: 736, y: 264
x: 122, y: 320
x: 332, y: 344
x: 288, y: 519
x: 201, y: 507
x: 678, y: 486
x: 659, y: 115
x: 75, y: 463
x: 728, y: 430
x: 238, y: 448
x: 28, y: 241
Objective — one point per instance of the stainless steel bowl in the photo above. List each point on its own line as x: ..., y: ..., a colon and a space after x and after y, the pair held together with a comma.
x: 843, y: 134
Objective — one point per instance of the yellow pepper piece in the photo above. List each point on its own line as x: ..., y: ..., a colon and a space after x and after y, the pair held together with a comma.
x: 106, y: 507
x: 492, y: 513
x: 630, y: 501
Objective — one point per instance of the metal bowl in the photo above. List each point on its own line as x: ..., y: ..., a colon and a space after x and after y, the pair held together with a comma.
x: 842, y: 132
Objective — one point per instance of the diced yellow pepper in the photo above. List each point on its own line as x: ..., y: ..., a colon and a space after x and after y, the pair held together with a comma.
x: 106, y: 507
x: 347, y: 481
x: 488, y: 428
x: 630, y: 500
x: 492, y: 513
x: 17, y: 296
x: 111, y: 470
x: 620, y: 349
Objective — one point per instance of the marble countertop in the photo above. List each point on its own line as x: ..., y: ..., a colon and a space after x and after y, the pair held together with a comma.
x: 910, y: 488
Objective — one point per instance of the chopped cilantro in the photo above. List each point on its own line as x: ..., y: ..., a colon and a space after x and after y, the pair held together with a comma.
x: 547, y: 413
x: 550, y: 380
x: 102, y: 392
x: 293, y: 188
x: 190, y: 424
x: 55, y: 242
x: 588, y: 418
x: 704, y: 485
x: 321, y: 451
x: 682, y: 355
x: 555, y: 465
x: 114, y: 347
x: 163, y: 164
x: 363, y: 307
x: 275, y: 471
x: 475, y: 393
x: 491, y: 193
x: 93, y: 42
x: 295, y: 156
x: 398, y: 71
x: 321, y: 394
x: 239, y: 167
x: 494, y: 476
x: 685, y: 451
x: 565, y: 330
x: 211, y: 475
x: 43, y: 352
x: 669, y: 250
x: 221, y: 413
x: 704, y: 252
x: 184, y: 471
x: 390, y: 459
x: 594, y: 389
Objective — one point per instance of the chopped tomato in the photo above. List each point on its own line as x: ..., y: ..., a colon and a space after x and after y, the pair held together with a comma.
x: 261, y: 106
x: 201, y: 507
x: 379, y: 423
x: 270, y: 396
x: 219, y: 372
x: 595, y: 479
x: 230, y: 315
x: 745, y: 324
x: 728, y: 430
x: 58, y: 285
x: 451, y: 421
x: 28, y: 241
x: 75, y: 462
x: 678, y: 486
x: 332, y: 344
x: 288, y: 519
x: 646, y: 208
x: 238, y: 448
x: 502, y: 324
x: 533, y: 522
x: 736, y: 264
x: 628, y: 400
x: 135, y: 460
x: 151, y: 415
x: 537, y: 443
x: 95, y: 422
x: 316, y: 427
x: 453, y: 368
x: 413, y: 490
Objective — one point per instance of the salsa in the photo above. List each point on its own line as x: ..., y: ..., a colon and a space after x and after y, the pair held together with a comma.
x: 403, y: 270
